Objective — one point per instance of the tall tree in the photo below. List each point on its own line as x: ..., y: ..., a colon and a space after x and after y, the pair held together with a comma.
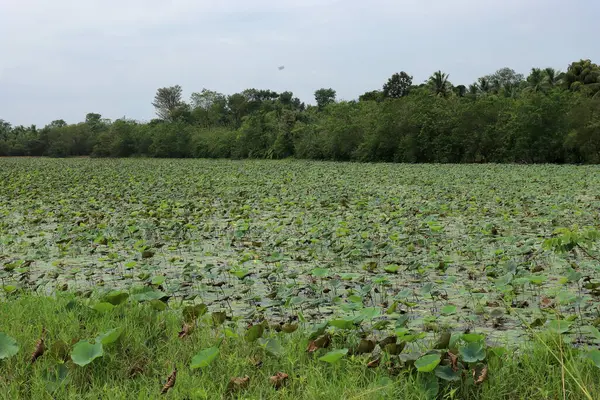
x: 398, y: 85
x: 167, y: 100
x: 324, y: 97
x: 439, y: 84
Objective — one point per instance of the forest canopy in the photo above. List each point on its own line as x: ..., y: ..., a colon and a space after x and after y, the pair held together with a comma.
x: 547, y: 116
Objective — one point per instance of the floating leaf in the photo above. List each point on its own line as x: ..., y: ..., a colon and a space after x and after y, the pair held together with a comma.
x: 157, y: 280
x: 449, y: 310
x: 320, y: 272
x: 85, y: 352
x: 391, y: 269
x: 8, y: 346
x: 334, y: 356
x: 204, y: 358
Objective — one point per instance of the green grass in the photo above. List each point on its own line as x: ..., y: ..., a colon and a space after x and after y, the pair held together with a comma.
x: 136, y: 366
x: 420, y: 254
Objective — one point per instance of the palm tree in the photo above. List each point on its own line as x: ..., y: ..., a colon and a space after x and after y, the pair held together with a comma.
x: 439, y: 84
x: 535, y: 80
x: 473, y: 89
x: 553, y: 77
x: 484, y: 84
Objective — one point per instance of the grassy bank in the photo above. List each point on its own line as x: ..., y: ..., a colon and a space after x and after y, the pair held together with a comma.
x: 142, y: 346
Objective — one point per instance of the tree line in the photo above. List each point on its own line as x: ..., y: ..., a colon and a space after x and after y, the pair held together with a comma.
x: 545, y: 117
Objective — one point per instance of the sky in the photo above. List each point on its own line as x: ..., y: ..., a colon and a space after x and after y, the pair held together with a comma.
x: 61, y: 59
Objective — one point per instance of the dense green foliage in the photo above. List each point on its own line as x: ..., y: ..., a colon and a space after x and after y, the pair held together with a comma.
x: 546, y: 117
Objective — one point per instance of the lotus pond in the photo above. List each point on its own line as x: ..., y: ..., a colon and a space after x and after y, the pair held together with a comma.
x: 407, y: 249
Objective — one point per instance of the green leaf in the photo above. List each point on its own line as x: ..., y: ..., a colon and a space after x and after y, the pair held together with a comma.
x: 320, y: 272
x: 370, y: 312
x: 219, y: 317
x: 8, y: 346
x: 158, y: 280
x: 334, y: 356
x: 103, y: 307
x: 592, y: 331
x: 449, y: 310
x: 191, y: 313
x: 116, y: 297
x: 204, y: 358
x: 446, y: 373
x: 146, y: 293
x: 85, y: 352
x: 428, y: 363
x: 391, y: 269
x: 158, y: 305
x: 274, y: 348
x: 342, y: 323
x: 110, y: 336
x: 594, y: 355
x: 472, y: 337
x: 559, y: 326
x: 472, y: 352
x: 254, y: 332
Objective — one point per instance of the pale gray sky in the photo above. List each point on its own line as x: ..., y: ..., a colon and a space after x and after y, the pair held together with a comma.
x: 65, y: 58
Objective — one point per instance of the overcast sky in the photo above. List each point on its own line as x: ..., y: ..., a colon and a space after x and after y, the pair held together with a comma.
x: 65, y: 58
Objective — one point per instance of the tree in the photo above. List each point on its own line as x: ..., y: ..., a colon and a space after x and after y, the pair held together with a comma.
x: 483, y: 84
x: 583, y: 76
x: 439, y: 84
x: 374, y: 95
x: 398, y: 85
x: 206, y: 99
x: 323, y: 97
x: 535, y: 80
x: 552, y: 77
x: 460, y: 90
x: 167, y: 100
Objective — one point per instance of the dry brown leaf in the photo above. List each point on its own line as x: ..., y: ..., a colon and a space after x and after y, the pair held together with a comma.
x: 453, y: 361
x: 170, y: 382
x: 279, y: 379
x: 482, y: 375
x: 545, y: 302
x: 319, y: 343
x: 237, y: 384
x: 374, y: 363
x: 186, y: 330
x: 40, y: 347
